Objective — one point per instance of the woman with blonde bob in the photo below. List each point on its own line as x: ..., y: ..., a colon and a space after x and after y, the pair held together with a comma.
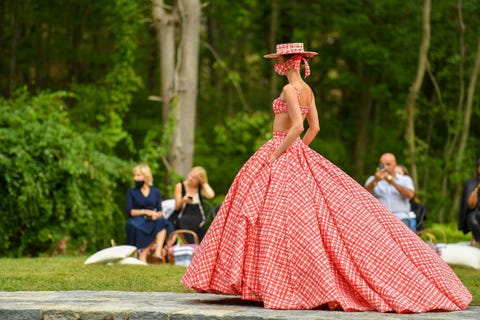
x: 188, y: 201
x: 146, y: 227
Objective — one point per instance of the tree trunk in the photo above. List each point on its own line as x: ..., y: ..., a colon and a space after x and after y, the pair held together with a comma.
x: 272, y: 42
x: 165, y: 27
x: 184, y: 133
x: 415, y: 88
x: 364, y: 114
x: 15, y: 31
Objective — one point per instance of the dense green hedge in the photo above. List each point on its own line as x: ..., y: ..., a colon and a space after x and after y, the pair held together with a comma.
x: 54, y: 183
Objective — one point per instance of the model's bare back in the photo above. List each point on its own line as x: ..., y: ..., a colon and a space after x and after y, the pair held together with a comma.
x: 282, y: 121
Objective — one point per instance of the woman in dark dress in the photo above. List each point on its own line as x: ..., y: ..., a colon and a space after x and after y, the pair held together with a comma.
x: 146, y: 227
x: 188, y: 200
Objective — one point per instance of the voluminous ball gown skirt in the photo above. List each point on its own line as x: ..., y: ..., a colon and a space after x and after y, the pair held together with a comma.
x: 302, y: 234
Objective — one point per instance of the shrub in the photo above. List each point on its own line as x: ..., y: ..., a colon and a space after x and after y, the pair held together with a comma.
x: 55, y: 184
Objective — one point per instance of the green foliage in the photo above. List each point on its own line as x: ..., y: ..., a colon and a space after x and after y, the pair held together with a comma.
x: 156, y: 148
x: 451, y: 232
x: 102, y: 106
x: 105, y: 53
x: 56, y: 185
x: 234, y: 143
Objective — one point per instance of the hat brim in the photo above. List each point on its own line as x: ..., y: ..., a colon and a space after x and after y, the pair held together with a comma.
x: 308, y: 54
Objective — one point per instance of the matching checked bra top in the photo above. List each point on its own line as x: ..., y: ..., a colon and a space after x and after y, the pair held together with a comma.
x: 280, y: 105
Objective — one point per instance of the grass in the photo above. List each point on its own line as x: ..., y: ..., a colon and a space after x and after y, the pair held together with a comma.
x: 69, y: 273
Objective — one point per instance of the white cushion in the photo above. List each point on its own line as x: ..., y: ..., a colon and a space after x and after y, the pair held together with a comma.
x: 183, y: 254
x: 462, y: 255
x: 111, y: 254
x: 131, y: 260
x: 168, y: 207
x: 182, y: 250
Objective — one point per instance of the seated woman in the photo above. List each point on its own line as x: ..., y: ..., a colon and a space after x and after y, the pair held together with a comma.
x: 146, y: 227
x: 188, y: 200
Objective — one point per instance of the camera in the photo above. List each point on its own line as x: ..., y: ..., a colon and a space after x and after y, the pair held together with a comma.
x: 381, y: 166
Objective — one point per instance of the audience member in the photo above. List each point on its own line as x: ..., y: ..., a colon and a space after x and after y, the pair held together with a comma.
x: 146, y: 228
x: 189, y: 204
x: 392, y: 189
x: 469, y: 215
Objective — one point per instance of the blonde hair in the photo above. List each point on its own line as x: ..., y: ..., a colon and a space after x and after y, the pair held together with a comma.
x: 146, y: 172
x: 201, y: 174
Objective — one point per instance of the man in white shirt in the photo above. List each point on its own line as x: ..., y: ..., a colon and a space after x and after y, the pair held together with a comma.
x: 392, y: 189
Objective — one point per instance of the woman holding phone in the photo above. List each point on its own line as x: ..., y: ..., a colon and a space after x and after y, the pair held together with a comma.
x: 188, y: 201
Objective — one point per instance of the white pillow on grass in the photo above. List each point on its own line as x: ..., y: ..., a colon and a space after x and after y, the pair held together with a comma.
x: 460, y: 254
x: 111, y: 254
x: 131, y: 260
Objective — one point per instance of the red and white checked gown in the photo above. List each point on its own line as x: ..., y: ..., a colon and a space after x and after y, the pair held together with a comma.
x: 301, y: 234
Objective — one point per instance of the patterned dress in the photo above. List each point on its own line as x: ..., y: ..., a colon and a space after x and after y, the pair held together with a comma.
x: 299, y: 233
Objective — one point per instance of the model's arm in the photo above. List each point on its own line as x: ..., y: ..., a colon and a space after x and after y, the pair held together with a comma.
x: 313, y: 123
x: 295, y: 115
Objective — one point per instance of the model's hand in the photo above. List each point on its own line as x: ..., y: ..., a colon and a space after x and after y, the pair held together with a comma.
x: 272, y: 158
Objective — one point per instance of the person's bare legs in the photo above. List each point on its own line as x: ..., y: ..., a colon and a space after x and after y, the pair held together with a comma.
x: 145, y: 251
x: 160, y: 240
x: 158, y: 243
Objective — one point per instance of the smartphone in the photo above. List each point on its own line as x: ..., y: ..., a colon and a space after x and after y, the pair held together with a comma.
x: 190, y: 197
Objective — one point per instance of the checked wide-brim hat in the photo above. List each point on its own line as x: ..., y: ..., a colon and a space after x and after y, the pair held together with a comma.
x: 290, y: 48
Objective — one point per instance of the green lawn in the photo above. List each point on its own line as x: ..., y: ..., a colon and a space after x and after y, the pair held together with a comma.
x: 69, y: 273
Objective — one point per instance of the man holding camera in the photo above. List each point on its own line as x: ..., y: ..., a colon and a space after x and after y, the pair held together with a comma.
x: 469, y: 216
x: 392, y: 189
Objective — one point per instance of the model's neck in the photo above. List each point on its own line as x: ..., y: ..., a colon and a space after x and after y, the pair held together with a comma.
x: 293, y: 76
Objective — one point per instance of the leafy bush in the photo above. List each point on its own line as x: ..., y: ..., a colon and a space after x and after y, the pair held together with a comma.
x: 452, y: 234
x: 55, y: 184
x: 233, y: 143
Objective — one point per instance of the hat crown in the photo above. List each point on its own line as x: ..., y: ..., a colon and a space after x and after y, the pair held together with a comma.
x: 289, y: 48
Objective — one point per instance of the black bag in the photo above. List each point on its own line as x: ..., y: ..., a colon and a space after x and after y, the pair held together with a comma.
x: 174, y: 219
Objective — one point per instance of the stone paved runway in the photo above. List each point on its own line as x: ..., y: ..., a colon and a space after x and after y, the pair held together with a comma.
x: 116, y: 305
